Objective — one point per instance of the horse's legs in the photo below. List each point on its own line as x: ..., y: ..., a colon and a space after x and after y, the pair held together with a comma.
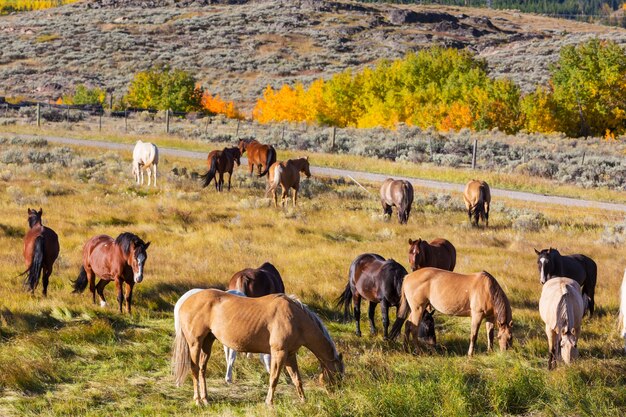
x: 292, y: 368
x: 387, y: 209
x: 384, y: 309
x: 589, y: 291
x: 91, y: 277
x: 371, y: 311
x: 414, y: 319
x: 231, y: 355
x: 221, y: 181
x: 486, y: 213
x: 205, y: 354
x: 120, y: 293
x: 129, y: 295
x: 266, y: 360
x: 141, y: 173
x: 295, y: 195
x: 283, y: 195
x: 407, y: 335
x: 46, y: 275
x: 149, y: 171
x: 154, y: 168
x: 100, y: 289
x: 356, y: 301
x: 194, y: 353
x: 551, y: 348
x: 489, y: 327
x: 230, y: 175
x: 278, y: 360
x: 476, y: 319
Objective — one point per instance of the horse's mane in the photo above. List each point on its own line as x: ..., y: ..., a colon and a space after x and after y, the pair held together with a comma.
x: 501, y: 305
x: 398, y: 272
x: 125, y: 239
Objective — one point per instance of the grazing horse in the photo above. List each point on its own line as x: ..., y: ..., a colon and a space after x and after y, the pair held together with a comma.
x: 580, y: 268
x: 41, y: 249
x: 276, y: 324
x: 478, y: 296
x: 259, y: 155
x: 439, y: 253
x: 622, y: 310
x: 121, y: 260
x: 378, y: 281
x: 477, y: 197
x: 287, y: 174
x: 562, y: 307
x: 221, y: 162
x: 145, y: 158
x: 397, y: 193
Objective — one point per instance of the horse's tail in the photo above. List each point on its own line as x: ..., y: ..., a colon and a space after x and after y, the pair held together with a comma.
x: 403, y: 311
x: 345, y: 299
x: 81, y: 282
x: 270, y: 159
x: 208, y: 177
x: 564, y: 311
x: 589, y: 286
x: 405, y: 202
x: 274, y: 184
x: 36, y: 265
x: 181, y: 357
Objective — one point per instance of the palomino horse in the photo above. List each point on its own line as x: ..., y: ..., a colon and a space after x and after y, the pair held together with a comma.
x: 41, y: 249
x: 561, y: 307
x: 287, y: 174
x: 145, y: 158
x: 478, y: 296
x: 259, y: 155
x: 580, y: 268
x: 121, y: 260
x: 276, y: 324
x: 221, y: 162
x: 378, y: 281
x: 439, y: 253
x: 477, y: 197
x: 622, y: 310
x: 398, y: 193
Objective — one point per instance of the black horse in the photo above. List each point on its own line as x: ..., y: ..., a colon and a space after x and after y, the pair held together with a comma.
x: 580, y: 268
x: 378, y: 281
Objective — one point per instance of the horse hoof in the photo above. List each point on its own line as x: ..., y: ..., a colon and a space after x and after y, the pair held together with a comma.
x: 103, y: 304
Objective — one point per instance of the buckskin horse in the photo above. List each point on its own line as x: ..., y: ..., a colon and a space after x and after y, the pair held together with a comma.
x: 398, y: 193
x: 287, y: 175
x: 276, y: 324
x: 121, y: 260
x: 41, y: 249
x: 259, y: 155
x: 145, y: 158
x: 439, y: 253
x: 221, y: 162
x: 477, y: 198
x: 578, y: 267
x: 478, y: 296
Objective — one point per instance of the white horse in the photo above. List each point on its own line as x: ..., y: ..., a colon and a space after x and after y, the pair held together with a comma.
x: 562, y: 307
x: 231, y: 354
x: 622, y: 310
x: 145, y: 157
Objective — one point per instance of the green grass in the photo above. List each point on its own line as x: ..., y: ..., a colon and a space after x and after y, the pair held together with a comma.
x: 65, y: 356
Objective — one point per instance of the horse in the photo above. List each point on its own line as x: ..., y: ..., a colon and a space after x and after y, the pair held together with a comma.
x: 41, y: 250
x: 477, y: 197
x: 578, y: 267
x: 221, y: 162
x: 258, y: 282
x: 397, y: 193
x: 145, y: 157
x: 478, y: 296
x: 287, y: 174
x: 439, y: 253
x: 262, y: 156
x: 276, y: 324
x: 562, y: 307
x: 622, y: 309
x: 121, y: 260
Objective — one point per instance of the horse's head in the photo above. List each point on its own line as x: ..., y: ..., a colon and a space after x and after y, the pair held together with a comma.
x: 568, y: 346
x: 416, y: 253
x: 545, y: 263
x: 505, y: 335
x: 242, y: 146
x: 332, y: 371
x: 34, y: 217
x: 305, y: 169
x: 138, y: 260
x: 426, y: 329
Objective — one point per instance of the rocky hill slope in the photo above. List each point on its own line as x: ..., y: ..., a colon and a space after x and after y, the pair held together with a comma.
x: 236, y: 49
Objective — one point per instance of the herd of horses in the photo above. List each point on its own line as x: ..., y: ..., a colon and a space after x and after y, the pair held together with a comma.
x: 255, y: 315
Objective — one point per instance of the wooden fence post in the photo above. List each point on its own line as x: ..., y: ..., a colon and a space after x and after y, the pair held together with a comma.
x: 100, y: 120
x: 474, y: 153
x: 430, y: 147
x: 332, y: 138
x: 67, y: 115
x: 282, y: 137
x: 167, y: 121
x: 237, y: 132
x: 38, y: 115
x: 125, y: 120
x: 583, y: 160
x: 206, y: 126
x: 111, y: 102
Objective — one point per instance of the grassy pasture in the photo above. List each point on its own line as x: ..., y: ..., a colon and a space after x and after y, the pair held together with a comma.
x: 65, y: 356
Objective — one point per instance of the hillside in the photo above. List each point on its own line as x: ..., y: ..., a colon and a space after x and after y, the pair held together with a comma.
x: 237, y: 49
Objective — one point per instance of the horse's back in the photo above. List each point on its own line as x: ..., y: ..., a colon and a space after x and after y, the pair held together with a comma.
x: 445, y: 254
x: 580, y: 268
x: 444, y: 288
x: 551, y: 294
x: 145, y: 152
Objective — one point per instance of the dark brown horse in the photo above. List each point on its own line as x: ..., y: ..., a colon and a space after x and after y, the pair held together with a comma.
x: 439, y: 253
x: 378, y: 281
x: 477, y: 197
x: 258, y: 282
x: 398, y: 193
x: 578, y: 267
x: 259, y: 155
x: 41, y: 249
x: 221, y: 162
x: 121, y: 260
x: 287, y: 175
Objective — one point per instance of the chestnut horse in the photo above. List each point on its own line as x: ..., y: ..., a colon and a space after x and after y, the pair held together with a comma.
x: 121, y: 260
x: 276, y: 324
x: 478, y: 296
x: 398, y: 193
x: 259, y: 155
x: 287, y: 174
x: 477, y: 197
x: 221, y: 162
x: 41, y: 249
x: 439, y: 253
